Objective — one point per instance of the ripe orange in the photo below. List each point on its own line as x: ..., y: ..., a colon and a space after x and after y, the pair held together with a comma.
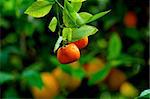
x: 130, y: 19
x: 61, y: 77
x: 65, y: 80
x: 68, y: 54
x: 73, y: 83
x: 82, y: 43
x: 50, y: 88
x: 128, y: 90
x: 115, y: 78
x: 94, y: 66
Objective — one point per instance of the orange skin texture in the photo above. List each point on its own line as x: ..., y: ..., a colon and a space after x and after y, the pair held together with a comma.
x: 81, y: 43
x: 130, y: 19
x: 68, y: 54
x: 115, y: 79
x: 49, y: 90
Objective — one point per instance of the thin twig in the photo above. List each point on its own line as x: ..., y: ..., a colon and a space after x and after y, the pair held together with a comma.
x: 59, y: 4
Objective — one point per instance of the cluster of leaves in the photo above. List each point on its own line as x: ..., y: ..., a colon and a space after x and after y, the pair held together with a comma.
x: 74, y: 23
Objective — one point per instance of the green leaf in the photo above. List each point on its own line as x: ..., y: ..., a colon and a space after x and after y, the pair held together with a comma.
x: 66, y: 68
x: 97, y: 16
x: 83, y: 31
x: 85, y: 16
x: 58, y: 43
x: 53, y: 24
x: 76, y: 6
x: 39, y: 8
x: 77, y: 0
x: 70, y: 16
x: 145, y: 94
x: 100, y: 75
x: 67, y: 34
x: 71, y: 12
x: 54, y: 60
x: 87, y: 57
x: 133, y: 33
x: 125, y: 59
x: 11, y: 93
x: 33, y: 78
x: 4, y: 77
x: 78, y: 73
x: 67, y: 20
x: 114, y: 46
x: 136, y: 47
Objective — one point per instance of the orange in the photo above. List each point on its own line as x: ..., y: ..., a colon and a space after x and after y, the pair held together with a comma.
x: 82, y: 43
x: 115, y: 78
x: 68, y: 54
x: 61, y: 76
x: 73, y: 83
x: 94, y: 66
x: 128, y: 90
x: 50, y: 88
x: 130, y: 19
x: 65, y: 80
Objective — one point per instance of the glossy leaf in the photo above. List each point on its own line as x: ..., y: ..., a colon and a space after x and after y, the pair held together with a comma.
x: 39, y: 8
x: 145, y: 94
x: 83, y: 31
x: 77, y: 0
x: 70, y: 15
x: 85, y: 16
x: 53, y: 24
x: 76, y: 5
x: 114, y: 46
x: 97, y: 16
x: 67, y: 34
x: 70, y: 11
x: 67, y: 20
x: 58, y: 43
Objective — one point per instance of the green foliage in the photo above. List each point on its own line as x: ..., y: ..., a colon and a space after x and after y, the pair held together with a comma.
x: 133, y: 33
x: 145, y: 94
x: 114, y: 46
x: 83, y: 31
x: 77, y: 0
x: 53, y: 24
x: 78, y: 73
x: 11, y: 93
x: 39, y: 8
x: 100, y: 75
x: 67, y: 34
x: 27, y: 45
x: 5, y: 77
x: 85, y: 16
x: 76, y: 5
x: 99, y: 15
x: 32, y: 78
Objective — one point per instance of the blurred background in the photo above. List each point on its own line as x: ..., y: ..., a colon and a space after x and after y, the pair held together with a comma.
x: 28, y: 64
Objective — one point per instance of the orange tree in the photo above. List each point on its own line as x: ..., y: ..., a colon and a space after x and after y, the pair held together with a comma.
x: 22, y: 63
x: 74, y: 26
